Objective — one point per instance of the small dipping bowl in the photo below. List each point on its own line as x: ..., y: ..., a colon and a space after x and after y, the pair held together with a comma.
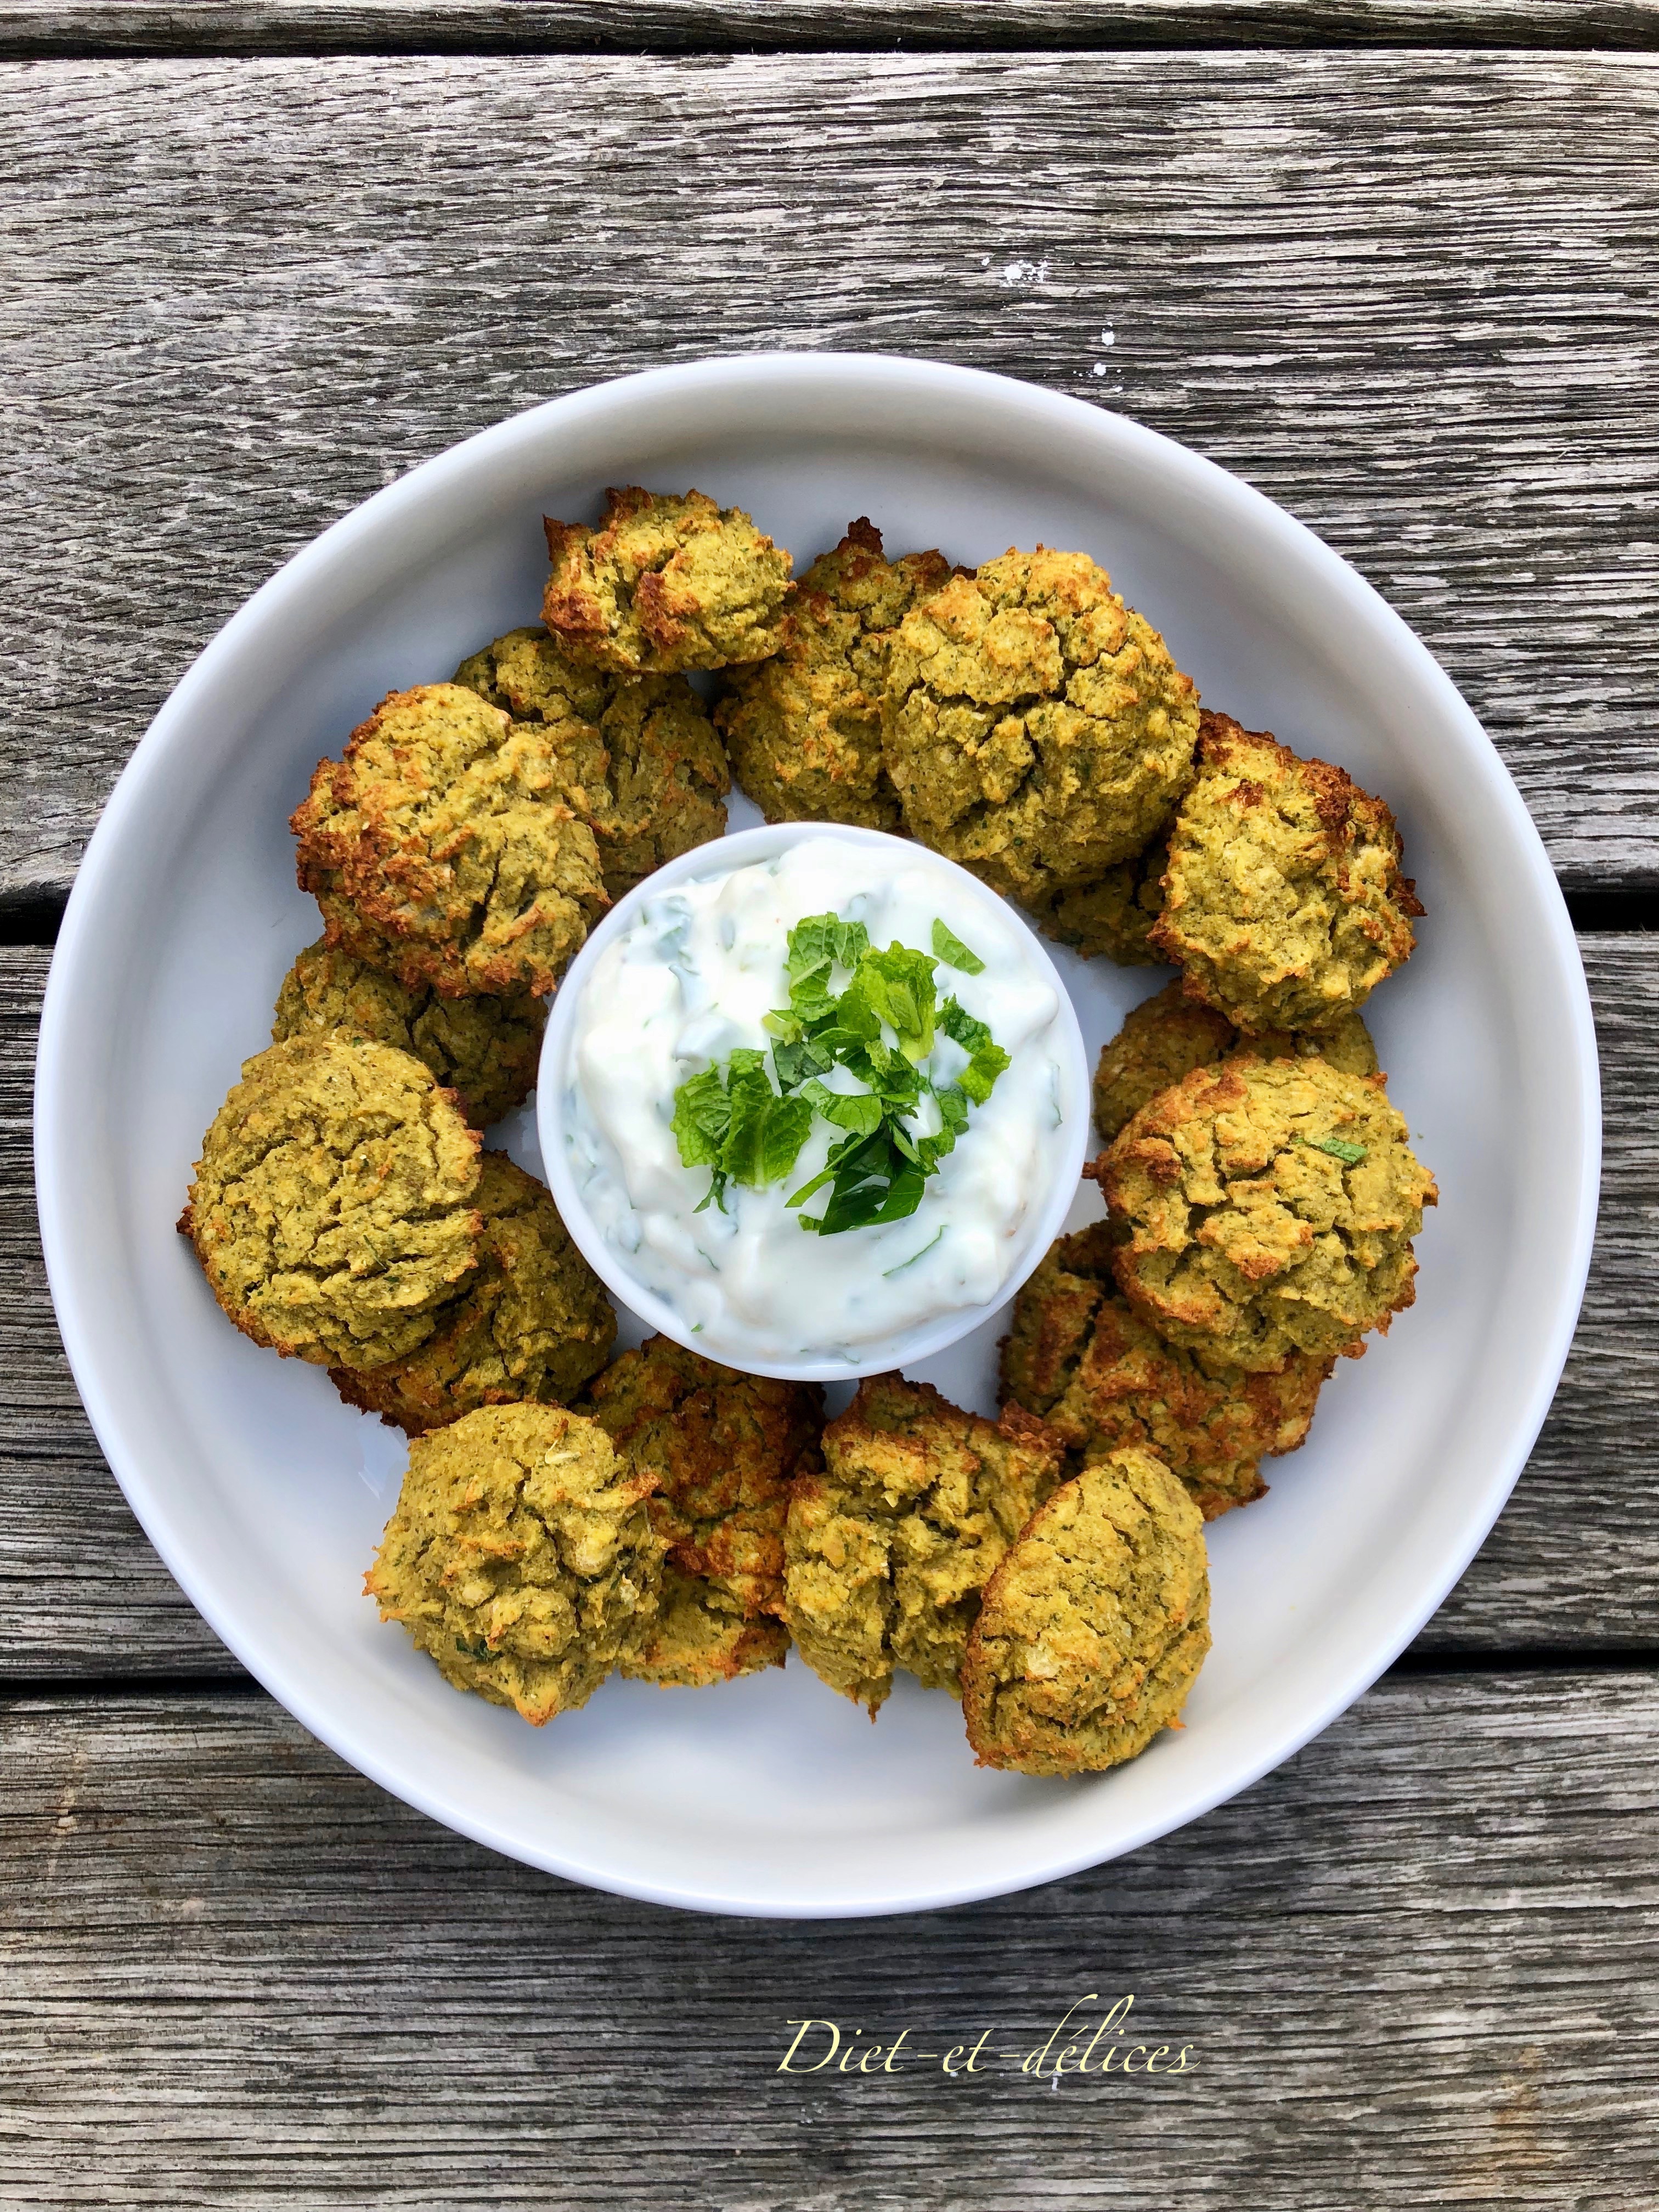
x: 1046, y: 1206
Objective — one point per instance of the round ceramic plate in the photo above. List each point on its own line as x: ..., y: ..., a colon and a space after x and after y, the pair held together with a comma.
x: 265, y: 1496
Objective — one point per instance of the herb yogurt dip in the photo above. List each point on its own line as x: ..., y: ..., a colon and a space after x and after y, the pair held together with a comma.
x: 691, y: 1014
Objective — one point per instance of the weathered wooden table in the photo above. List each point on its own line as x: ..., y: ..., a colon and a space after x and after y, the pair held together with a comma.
x: 1393, y: 260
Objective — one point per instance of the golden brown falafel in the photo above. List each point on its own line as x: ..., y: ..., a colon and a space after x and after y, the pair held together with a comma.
x: 803, y: 728
x: 723, y: 1447
x: 1080, y: 1357
x: 532, y: 1323
x: 1265, y: 1207
x: 667, y: 582
x: 1094, y: 1625
x: 1034, y: 727
x: 521, y: 1557
x: 888, y: 1548
x: 334, y: 1208
x: 1112, y: 918
x: 1284, y: 903
x: 645, y: 769
x: 446, y: 845
x: 1168, y: 1035
x: 484, y: 1050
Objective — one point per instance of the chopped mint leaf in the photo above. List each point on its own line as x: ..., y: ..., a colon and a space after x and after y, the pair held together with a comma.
x: 860, y: 1111
x: 926, y: 1249
x: 950, y: 948
x: 1340, y: 1148
x: 898, y: 985
x: 959, y: 1026
x: 979, y: 1078
x: 702, y: 1113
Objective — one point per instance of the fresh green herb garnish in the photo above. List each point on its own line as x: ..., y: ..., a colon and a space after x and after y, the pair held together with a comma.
x: 954, y: 953
x: 880, y: 1027
x: 1340, y: 1148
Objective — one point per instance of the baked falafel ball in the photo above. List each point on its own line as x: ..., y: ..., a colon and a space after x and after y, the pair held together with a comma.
x: 484, y: 1050
x: 645, y: 769
x: 334, y: 1208
x: 803, y: 728
x: 1166, y: 1036
x: 1284, y: 903
x: 723, y: 1447
x: 1112, y: 918
x: 521, y: 1557
x: 1079, y: 1357
x: 450, y: 845
x: 1093, y: 1627
x: 1264, y: 1208
x: 530, y: 1323
x: 889, y: 1547
x: 1035, y: 728
x: 668, y: 581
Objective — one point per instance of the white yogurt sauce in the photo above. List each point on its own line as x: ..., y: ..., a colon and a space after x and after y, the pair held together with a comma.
x: 692, y: 979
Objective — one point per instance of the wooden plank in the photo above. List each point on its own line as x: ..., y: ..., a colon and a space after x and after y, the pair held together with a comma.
x: 1572, y: 1567
x: 30, y: 28
x: 1414, y: 1967
x: 1410, y: 297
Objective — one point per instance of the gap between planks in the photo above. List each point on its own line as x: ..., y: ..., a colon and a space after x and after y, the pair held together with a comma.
x: 40, y: 28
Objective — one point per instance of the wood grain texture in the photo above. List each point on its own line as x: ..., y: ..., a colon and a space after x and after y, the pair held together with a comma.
x: 1409, y: 297
x: 1573, y: 1566
x: 44, y: 27
x: 1414, y: 1967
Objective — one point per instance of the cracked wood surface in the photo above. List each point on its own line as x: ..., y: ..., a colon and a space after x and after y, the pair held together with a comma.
x: 1573, y: 1566
x: 1415, y: 1965
x: 1409, y: 295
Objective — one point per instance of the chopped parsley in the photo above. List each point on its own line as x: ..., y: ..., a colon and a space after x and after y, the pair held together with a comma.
x: 1340, y: 1148
x: 879, y: 1027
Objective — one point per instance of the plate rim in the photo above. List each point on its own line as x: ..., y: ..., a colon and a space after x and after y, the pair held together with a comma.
x: 77, y: 944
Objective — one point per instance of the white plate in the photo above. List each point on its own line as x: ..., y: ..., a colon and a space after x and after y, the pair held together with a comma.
x: 265, y: 1495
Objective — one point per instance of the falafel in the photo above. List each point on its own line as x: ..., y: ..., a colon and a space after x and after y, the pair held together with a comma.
x: 1284, y: 903
x: 484, y: 1048
x: 647, y: 771
x: 532, y: 1323
x: 889, y: 1547
x: 1035, y: 728
x: 1265, y: 1207
x: 1093, y: 1627
x: 723, y: 1447
x: 448, y: 846
x: 1112, y: 918
x: 803, y: 728
x: 521, y: 1557
x: 667, y: 582
x: 1079, y: 1357
x: 334, y: 1207
x: 1166, y: 1036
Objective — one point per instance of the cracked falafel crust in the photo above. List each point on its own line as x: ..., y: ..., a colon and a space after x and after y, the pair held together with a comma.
x: 646, y: 770
x: 1035, y: 728
x: 334, y: 1208
x: 803, y: 728
x: 521, y: 1557
x: 667, y: 582
x: 446, y: 846
x: 1284, y: 902
x: 1264, y: 1208
x: 1166, y: 1036
x: 532, y: 1321
x: 888, y: 1548
x: 723, y: 1447
x: 484, y: 1050
x: 1093, y: 1627
x: 1080, y: 1359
